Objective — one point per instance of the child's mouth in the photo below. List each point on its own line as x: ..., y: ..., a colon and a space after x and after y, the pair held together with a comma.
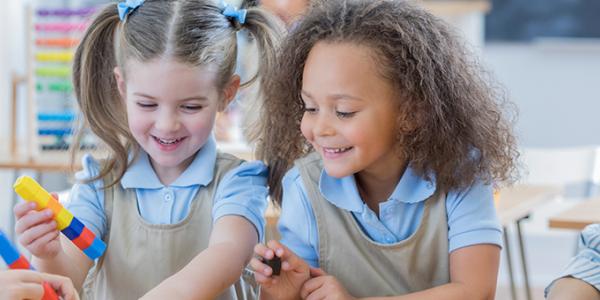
x: 168, y: 142
x: 336, y: 150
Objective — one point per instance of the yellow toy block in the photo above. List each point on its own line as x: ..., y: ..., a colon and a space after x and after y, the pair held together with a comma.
x: 63, y: 219
x: 31, y: 191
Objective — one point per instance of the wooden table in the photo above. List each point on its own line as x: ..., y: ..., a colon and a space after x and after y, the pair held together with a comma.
x: 515, y: 204
x: 577, y: 217
x: 518, y: 201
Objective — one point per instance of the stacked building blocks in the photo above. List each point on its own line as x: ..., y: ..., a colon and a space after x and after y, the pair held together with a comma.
x: 16, y: 261
x: 70, y: 226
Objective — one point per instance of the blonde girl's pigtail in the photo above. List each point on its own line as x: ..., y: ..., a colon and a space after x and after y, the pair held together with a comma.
x: 267, y: 32
x: 97, y: 93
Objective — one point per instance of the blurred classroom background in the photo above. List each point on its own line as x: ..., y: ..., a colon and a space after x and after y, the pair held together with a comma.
x: 545, y: 53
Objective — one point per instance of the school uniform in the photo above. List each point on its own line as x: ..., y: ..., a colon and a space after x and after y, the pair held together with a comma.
x: 152, y: 231
x: 403, y: 249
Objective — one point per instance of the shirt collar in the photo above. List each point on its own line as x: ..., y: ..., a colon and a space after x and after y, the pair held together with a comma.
x: 140, y: 173
x: 343, y: 192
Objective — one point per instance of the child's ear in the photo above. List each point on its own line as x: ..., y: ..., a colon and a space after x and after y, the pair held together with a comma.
x: 229, y: 92
x: 120, y: 82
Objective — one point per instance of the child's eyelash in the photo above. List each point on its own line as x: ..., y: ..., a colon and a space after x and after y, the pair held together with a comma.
x: 192, y: 107
x: 310, y: 110
x: 342, y: 115
x: 146, y: 105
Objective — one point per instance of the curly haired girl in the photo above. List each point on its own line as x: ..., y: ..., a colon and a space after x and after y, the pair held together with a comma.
x: 384, y: 139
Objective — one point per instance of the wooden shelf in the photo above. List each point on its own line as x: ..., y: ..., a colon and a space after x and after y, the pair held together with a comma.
x: 459, y: 7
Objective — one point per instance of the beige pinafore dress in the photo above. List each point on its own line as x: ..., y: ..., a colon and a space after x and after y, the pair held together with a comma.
x: 367, y: 268
x: 140, y: 255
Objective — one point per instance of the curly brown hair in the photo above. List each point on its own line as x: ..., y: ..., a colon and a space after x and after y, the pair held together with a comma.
x: 452, y: 123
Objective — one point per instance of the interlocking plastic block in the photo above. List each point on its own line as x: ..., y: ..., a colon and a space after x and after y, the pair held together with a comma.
x: 85, y: 239
x: 96, y: 249
x: 61, y: 215
x: 20, y: 264
x: 74, y: 229
x: 7, y: 251
x: 49, y: 293
x: 82, y: 237
x: 31, y: 191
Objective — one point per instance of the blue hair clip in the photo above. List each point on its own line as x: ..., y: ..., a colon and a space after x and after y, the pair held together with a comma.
x: 232, y: 12
x: 128, y: 6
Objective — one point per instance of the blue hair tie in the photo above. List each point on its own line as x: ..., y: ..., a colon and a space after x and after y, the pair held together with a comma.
x: 127, y: 7
x: 231, y: 12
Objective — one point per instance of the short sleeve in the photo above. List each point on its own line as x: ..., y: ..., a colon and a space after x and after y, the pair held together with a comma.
x: 472, y: 217
x: 86, y: 200
x: 297, y: 224
x: 243, y: 192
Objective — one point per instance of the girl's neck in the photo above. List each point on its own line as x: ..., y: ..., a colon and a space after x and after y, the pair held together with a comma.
x: 376, y: 187
x: 168, y: 175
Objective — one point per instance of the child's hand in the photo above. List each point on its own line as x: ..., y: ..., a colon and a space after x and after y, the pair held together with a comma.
x: 323, y: 286
x: 294, y: 272
x: 27, y: 284
x: 37, y: 230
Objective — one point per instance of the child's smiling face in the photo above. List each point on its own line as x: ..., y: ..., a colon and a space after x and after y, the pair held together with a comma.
x: 351, y: 110
x: 171, y: 109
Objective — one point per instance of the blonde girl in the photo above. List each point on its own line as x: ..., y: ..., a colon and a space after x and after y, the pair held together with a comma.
x: 179, y: 218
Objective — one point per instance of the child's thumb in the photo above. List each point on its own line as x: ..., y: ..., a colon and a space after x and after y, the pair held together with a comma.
x: 316, y: 272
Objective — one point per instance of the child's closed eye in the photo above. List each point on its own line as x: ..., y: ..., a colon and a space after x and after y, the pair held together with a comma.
x: 342, y: 114
x: 146, y: 104
x: 192, y: 107
x: 310, y: 110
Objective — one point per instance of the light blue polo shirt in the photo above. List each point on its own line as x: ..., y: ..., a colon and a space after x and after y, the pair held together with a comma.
x: 242, y: 191
x: 471, y: 213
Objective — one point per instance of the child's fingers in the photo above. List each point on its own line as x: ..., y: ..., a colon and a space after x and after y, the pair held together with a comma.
x: 27, y: 290
x: 264, y: 251
x: 62, y: 284
x: 262, y: 279
x: 33, y: 218
x: 310, y: 287
x: 37, y: 232
x: 260, y: 267
x: 28, y: 276
x: 54, y: 195
x: 316, y: 272
x: 22, y: 208
x: 41, y: 244
x: 289, y: 260
x: 318, y: 294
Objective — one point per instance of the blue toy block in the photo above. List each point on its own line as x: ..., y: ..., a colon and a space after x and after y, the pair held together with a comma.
x: 96, y: 249
x: 74, y: 229
x: 7, y: 250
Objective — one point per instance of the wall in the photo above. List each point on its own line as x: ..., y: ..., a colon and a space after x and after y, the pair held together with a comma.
x: 555, y: 84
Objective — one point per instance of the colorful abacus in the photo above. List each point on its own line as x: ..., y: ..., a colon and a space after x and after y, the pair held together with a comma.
x: 16, y: 261
x: 70, y: 226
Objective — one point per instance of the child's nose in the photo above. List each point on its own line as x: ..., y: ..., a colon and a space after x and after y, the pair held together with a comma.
x: 167, y: 123
x: 322, y: 126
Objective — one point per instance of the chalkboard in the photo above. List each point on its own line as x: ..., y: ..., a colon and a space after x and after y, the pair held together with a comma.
x: 526, y: 20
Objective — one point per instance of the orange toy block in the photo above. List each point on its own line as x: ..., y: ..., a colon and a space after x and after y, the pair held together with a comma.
x: 62, y: 216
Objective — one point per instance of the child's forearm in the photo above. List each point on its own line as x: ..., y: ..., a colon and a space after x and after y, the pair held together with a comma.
x: 206, y: 276
x: 70, y: 263
x: 450, y: 291
x: 266, y: 296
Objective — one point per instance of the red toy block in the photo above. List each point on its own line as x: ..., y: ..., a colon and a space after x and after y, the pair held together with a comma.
x: 85, y: 239
x: 49, y: 293
x: 20, y: 264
